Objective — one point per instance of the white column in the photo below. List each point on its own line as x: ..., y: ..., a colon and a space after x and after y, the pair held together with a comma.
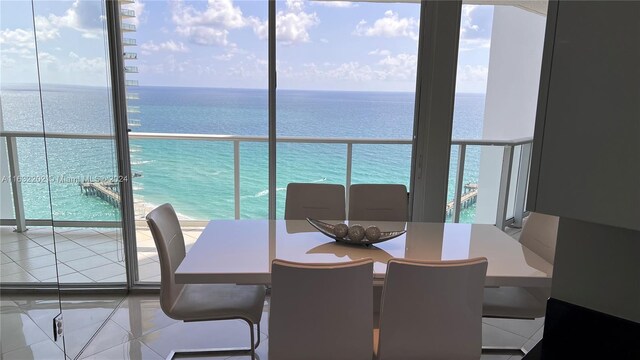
x: 515, y: 57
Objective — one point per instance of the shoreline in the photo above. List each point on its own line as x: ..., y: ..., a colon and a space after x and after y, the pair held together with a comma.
x: 142, y: 208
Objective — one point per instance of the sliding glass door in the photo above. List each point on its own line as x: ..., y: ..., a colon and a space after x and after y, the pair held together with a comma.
x: 58, y: 130
x: 499, y: 60
x: 198, y: 105
x: 346, y: 92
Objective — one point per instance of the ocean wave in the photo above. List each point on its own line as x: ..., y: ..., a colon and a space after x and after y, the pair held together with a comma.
x: 141, y: 162
x: 266, y: 192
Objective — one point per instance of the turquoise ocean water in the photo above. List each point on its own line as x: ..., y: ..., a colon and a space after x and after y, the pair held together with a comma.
x: 197, y: 176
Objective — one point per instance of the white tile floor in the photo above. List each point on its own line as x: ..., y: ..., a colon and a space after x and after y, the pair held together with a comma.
x: 138, y: 329
x: 84, y: 255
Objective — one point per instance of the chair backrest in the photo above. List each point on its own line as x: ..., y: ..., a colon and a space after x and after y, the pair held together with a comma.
x: 316, y: 201
x: 539, y: 234
x: 378, y: 202
x: 321, y: 311
x: 169, y: 240
x: 432, y: 309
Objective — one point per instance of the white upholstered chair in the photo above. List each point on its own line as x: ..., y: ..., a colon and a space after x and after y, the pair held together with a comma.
x: 321, y: 311
x: 316, y: 201
x: 431, y: 310
x: 199, y: 302
x: 539, y: 234
x: 378, y: 202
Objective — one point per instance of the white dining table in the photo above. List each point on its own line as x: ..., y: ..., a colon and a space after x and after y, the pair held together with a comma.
x: 241, y: 251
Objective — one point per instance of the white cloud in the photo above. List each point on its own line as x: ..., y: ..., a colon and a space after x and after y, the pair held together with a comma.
x: 211, y: 25
x: 323, y: 40
x: 83, y: 16
x: 81, y: 64
x: 470, y: 73
x: 292, y: 25
x: 165, y: 46
x: 391, y: 25
x: 46, y: 58
x: 250, y: 67
x: 17, y: 37
x: 380, y: 52
x: 400, y: 67
x: 475, y: 28
x: 334, y: 3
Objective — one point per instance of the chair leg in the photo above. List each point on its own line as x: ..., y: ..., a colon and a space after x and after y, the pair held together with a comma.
x: 258, y: 343
x: 224, y: 351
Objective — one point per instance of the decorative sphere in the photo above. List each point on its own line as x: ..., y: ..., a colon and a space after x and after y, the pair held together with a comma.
x: 340, y: 230
x: 372, y: 233
x: 356, y: 233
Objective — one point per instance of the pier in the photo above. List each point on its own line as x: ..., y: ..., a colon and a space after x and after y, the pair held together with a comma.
x: 468, y: 198
x: 106, y: 190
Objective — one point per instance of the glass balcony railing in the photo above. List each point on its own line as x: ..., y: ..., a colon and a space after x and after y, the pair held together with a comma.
x: 128, y: 42
x: 127, y: 27
x: 127, y: 13
x: 510, y: 207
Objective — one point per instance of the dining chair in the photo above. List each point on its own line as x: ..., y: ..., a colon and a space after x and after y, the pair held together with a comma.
x: 378, y: 202
x: 316, y: 201
x: 431, y: 310
x: 199, y: 302
x: 539, y: 234
x: 321, y: 311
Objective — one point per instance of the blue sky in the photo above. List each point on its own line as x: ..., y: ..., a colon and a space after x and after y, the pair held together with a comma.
x: 321, y: 45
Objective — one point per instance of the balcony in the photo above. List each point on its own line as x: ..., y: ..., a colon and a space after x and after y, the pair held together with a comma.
x: 127, y: 27
x: 104, y: 238
x: 128, y: 42
x: 127, y: 13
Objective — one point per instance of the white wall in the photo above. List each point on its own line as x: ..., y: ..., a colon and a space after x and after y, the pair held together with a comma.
x: 515, y: 57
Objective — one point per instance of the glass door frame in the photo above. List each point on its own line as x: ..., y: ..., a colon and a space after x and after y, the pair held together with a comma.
x: 433, y: 117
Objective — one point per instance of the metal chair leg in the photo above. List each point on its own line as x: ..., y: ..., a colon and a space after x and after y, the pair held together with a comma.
x: 224, y: 351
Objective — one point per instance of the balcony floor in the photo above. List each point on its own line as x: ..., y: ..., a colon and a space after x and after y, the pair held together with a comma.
x: 84, y: 255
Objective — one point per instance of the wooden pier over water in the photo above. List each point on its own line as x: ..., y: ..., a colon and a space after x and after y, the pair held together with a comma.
x: 468, y: 198
x: 106, y: 190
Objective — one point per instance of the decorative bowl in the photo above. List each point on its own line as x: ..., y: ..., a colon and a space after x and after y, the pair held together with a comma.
x: 328, y: 230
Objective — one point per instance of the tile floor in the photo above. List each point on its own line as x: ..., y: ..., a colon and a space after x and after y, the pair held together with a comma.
x: 84, y: 255
x: 136, y: 328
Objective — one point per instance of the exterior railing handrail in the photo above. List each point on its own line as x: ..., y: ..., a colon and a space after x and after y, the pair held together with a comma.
x: 462, y: 144
x: 291, y: 139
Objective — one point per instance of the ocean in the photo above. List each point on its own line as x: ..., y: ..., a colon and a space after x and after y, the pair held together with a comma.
x: 197, y: 177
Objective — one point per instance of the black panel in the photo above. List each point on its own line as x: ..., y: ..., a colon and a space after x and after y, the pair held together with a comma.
x: 575, y: 332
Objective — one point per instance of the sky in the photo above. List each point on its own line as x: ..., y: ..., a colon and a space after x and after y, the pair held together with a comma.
x: 321, y: 45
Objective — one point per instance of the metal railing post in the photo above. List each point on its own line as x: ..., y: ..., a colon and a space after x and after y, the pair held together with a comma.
x: 349, y: 161
x: 503, y: 191
x: 521, y: 185
x: 462, y: 150
x: 236, y: 176
x: 16, y: 185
